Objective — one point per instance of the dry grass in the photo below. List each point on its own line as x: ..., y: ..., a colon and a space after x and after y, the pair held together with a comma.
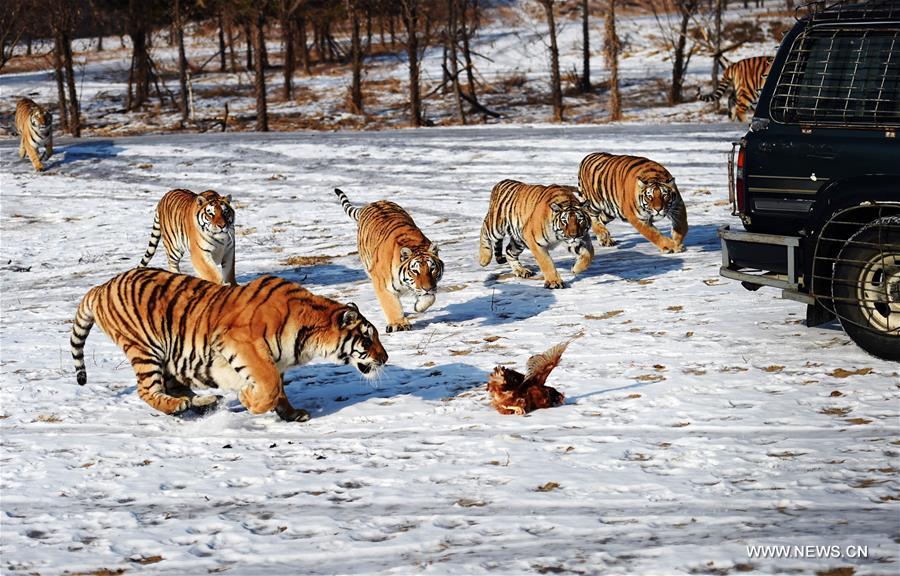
x: 306, y: 260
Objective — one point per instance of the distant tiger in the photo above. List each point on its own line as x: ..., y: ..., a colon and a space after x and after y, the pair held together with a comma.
x: 539, y: 217
x: 746, y: 77
x: 636, y: 190
x: 35, y: 127
x: 182, y: 333
x: 202, y: 223
x: 397, y: 257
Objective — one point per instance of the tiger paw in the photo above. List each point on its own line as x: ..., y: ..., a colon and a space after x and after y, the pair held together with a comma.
x: 183, y: 404
x: 606, y: 240
x: 424, y: 302
x: 398, y: 327
x: 39, y: 167
x: 204, y: 404
x: 554, y: 284
x: 292, y: 414
x: 523, y: 272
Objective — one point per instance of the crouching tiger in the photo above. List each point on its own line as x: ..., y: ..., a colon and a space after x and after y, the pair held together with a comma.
x: 397, y: 257
x: 201, y: 223
x: 539, y: 217
x: 636, y: 190
x: 182, y: 333
x: 35, y: 127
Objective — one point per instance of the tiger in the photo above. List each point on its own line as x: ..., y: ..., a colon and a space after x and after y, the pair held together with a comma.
x: 35, y: 125
x: 746, y: 77
x: 539, y: 217
x: 635, y: 189
x: 203, y: 223
x: 397, y: 257
x: 182, y: 333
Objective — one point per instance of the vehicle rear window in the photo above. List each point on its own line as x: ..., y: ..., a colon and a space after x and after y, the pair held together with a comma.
x: 840, y: 77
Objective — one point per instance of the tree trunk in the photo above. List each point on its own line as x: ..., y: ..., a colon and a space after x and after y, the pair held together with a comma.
x: 368, y: 29
x: 141, y: 63
x: 678, y: 62
x: 356, y: 102
x: 304, y: 49
x: 454, y: 60
x: 391, y: 30
x: 221, y: 43
x: 259, y: 39
x: 410, y: 21
x: 717, y: 42
x: 182, y: 62
x: 231, y: 54
x: 59, y: 73
x: 555, y: 81
x: 287, y: 32
x: 585, y: 48
x: 99, y: 42
x: 611, y: 48
x: 248, y: 33
x: 74, y: 116
x: 467, y: 53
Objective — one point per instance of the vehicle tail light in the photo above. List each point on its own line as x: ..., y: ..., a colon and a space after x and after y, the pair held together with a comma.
x: 739, y: 181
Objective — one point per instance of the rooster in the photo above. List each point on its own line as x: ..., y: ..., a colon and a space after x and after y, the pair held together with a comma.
x: 514, y: 393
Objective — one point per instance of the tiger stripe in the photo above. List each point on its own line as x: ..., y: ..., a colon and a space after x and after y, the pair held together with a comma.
x: 35, y: 127
x: 182, y: 333
x: 635, y: 189
x: 200, y: 223
x: 397, y: 257
x: 746, y: 78
x: 539, y: 217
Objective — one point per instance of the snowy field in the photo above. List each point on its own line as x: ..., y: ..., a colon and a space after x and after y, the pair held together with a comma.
x: 700, y: 418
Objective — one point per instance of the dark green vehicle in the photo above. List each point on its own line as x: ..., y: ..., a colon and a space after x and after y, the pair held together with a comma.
x: 816, y: 179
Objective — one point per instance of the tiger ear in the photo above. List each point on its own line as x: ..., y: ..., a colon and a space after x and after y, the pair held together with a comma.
x: 348, y: 316
x: 405, y: 253
x: 641, y: 183
x: 670, y: 181
x: 201, y: 200
x: 555, y: 207
x: 434, y: 249
x: 227, y: 199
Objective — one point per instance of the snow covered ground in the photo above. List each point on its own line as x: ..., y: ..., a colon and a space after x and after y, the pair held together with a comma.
x: 700, y: 420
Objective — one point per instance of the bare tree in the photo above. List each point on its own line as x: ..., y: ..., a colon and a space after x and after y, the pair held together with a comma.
x: 675, y: 37
x: 63, y: 16
x: 356, y: 102
x: 137, y: 28
x: 259, y: 41
x: 410, y: 18
x: 611, y: 51
x: 452, y: 37
x: 585, y: 47
x: 286, y: 10
x: 12, y: 26
x: 555, y: 81
x: 178, y: 22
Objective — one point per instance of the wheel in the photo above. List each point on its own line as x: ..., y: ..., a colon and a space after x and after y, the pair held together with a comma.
x: 865, y: 288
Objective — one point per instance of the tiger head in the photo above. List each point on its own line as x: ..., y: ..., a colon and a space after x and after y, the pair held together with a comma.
x: 215, y: 214
x: 40, y: 120
x: 570, y: 222
x: 420, y: 271
x: 655, y: 196
x: 356, y: 341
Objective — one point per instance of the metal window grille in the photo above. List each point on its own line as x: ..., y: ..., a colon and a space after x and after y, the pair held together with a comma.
x: 841, y: 76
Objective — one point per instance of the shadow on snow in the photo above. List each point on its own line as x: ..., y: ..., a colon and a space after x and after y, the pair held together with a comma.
x: 324, y: 388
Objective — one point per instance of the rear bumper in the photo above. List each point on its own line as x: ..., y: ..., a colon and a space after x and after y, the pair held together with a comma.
x: 758, y: 260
